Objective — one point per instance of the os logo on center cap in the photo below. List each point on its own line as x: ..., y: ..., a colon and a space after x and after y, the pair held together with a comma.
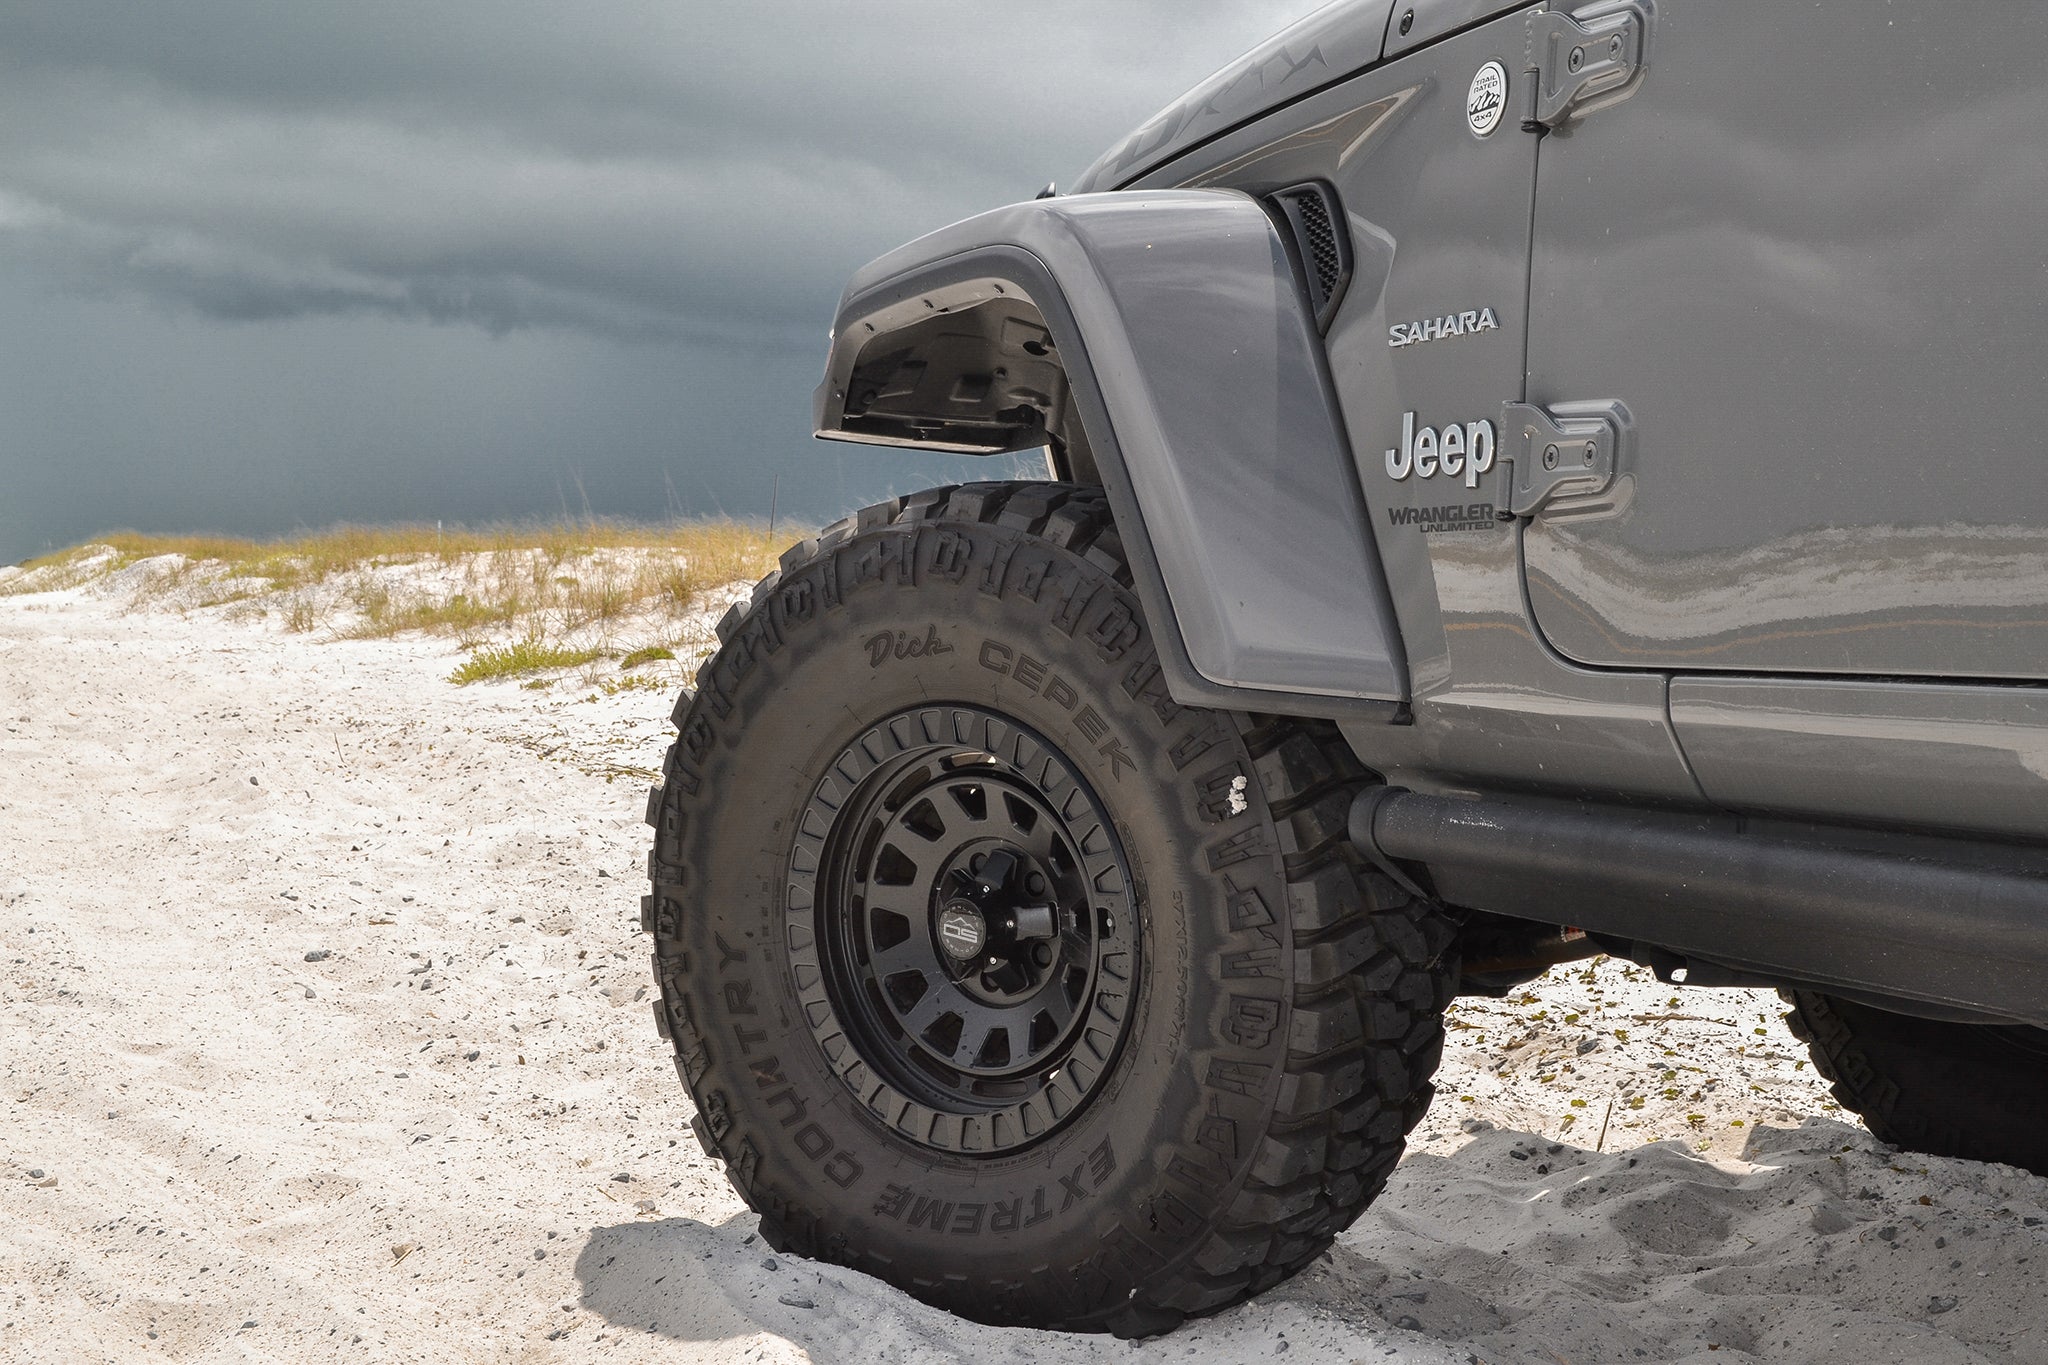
x: 1487, y: 100
x: 961, y: 932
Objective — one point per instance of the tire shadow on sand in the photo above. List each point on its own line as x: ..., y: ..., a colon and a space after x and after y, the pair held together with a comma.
x: 686, y: 1280
x: 693, y: 1281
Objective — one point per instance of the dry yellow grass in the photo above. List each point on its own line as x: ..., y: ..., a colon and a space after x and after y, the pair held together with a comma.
x: 569, y: 593
x: 715, y: 551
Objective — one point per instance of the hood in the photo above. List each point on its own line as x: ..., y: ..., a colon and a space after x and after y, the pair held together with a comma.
x: 1332, y: 43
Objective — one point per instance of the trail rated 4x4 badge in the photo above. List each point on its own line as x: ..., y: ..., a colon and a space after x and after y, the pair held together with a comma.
x: 1487, y: 100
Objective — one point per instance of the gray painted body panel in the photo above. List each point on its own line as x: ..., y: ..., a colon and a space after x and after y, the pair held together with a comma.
x: 1808, y: 253
x: 1931, y: 756
x: 1209, y: 374
x: 1439, y: 225
x: 1327, y: 46
x: 1435, y: 18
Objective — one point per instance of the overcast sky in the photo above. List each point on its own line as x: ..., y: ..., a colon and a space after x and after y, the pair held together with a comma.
x: 268, y: 266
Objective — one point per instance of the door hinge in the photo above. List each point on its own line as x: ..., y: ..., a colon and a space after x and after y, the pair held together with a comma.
x: 1552, y: 457
x: 1582, y: 61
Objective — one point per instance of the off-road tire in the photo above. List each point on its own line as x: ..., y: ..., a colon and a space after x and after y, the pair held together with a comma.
x: 1978, y: 1091
x: 1286, y: 1012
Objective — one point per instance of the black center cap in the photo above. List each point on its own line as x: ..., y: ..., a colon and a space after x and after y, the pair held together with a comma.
x: 961, y: 931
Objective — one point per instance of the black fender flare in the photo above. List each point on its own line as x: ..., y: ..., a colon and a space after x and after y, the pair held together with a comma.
x: 1172, y: 332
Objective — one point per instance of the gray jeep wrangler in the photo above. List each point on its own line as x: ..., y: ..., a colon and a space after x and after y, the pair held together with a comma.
x: 1524, y: 482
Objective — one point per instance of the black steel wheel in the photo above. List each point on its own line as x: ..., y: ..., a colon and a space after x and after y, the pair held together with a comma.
x: 963, y: 936
x: 993, y: 971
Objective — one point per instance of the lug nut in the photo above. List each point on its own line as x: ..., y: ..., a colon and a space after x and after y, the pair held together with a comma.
x: 1589, y: 452
x: 1614, y: 46
x: 1042, y: 954
x: 1550, y: 457
x: 1578, y: 58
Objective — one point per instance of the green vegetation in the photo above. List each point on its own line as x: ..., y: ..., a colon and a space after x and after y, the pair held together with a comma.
x: 646, y: 655
x: 530, y: 655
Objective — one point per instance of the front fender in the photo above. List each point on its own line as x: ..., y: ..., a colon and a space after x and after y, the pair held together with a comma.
x: 1169, y: 332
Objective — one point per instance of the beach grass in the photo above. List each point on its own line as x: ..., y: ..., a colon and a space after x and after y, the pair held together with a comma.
x: 519, y: 598
x: 525, y: 657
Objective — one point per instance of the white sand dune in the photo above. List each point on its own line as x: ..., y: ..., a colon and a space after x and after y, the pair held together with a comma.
x: 323, y: 1036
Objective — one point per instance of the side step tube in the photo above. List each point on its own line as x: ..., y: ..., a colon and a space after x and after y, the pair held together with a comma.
x: 1954, y: 924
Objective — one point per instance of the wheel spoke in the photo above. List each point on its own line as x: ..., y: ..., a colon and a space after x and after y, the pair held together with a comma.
x: 1036, y: 833
x: 1055, y: 1004
x: 982, y: 1027
x: 922, y: 820
x: 911, y: 902
x: 1021, y: 818
x: 970, y: 800
x: 894, y: 867
x: 936, y: 1005
x: 907, y: 956
x: 915, y: 952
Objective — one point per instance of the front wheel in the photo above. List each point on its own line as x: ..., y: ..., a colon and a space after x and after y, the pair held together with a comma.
x: 996, y: 973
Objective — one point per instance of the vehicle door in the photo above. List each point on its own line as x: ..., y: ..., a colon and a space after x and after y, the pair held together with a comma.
x: 1807, y: 256
x: 1800, y: 258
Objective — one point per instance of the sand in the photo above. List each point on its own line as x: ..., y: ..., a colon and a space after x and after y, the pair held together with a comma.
x: 324, y: 1036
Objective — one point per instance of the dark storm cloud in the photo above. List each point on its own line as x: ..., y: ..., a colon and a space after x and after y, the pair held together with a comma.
x: 656, y: 171
x: 266, y: 265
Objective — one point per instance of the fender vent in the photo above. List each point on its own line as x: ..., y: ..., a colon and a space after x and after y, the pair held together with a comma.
x: 1312, y: 215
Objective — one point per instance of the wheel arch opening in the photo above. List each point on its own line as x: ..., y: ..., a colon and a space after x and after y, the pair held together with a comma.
x: 970, y: 367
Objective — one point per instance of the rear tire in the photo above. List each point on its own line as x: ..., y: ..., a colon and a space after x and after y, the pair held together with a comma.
x: 1978, y: 1091
x: 1192, y: 1030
